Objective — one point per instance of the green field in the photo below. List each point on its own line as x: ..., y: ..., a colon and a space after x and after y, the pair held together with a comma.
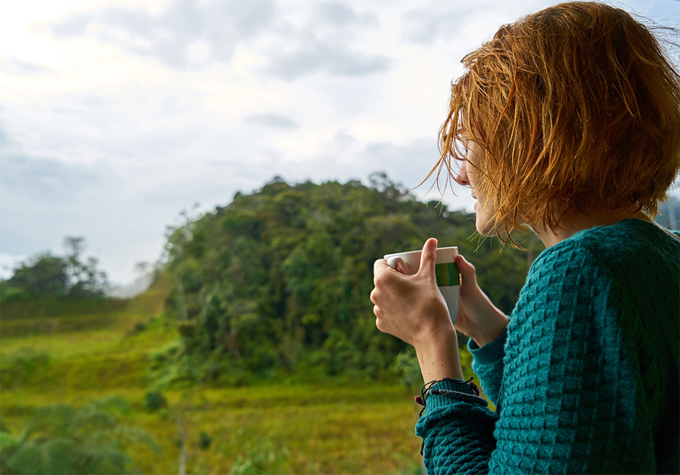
x: 341, y: 425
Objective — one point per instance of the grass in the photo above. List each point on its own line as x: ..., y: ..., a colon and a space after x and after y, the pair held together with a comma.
x: 325, y: 427
x: 308, y: 429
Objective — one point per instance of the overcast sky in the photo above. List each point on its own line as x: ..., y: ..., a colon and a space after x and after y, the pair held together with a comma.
x: 116, y: 115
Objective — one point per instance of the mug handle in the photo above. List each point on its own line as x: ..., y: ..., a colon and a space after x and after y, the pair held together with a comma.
x: 392, y: 262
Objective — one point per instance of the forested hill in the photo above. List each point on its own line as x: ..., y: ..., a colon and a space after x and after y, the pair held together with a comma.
x: 279, y: 280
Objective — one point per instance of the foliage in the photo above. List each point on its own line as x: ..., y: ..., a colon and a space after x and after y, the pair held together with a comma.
x: 155, y: 401
x: 259, y: 459
x: 204, y: 441
x: 61, y: 439
x: 277, y: 282
x: 407, y: 368
x: 45, y: 275
x: 18, y: 366
x: 311, y: 423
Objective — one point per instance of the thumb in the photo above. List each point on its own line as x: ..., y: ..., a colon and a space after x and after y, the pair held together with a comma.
x: 428, y: 258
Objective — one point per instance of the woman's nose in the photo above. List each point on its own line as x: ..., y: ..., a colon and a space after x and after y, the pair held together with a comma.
x: 462, y: 177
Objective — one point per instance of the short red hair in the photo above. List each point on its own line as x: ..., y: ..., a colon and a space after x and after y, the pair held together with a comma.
x: 573, y: 107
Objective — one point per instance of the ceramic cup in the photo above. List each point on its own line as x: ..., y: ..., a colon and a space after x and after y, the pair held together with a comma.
x: 448, y: 279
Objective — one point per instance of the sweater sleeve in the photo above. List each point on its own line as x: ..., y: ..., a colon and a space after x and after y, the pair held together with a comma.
x: 487, y: 364
x: 567, y: 398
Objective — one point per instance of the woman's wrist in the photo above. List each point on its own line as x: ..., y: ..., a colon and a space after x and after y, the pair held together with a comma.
x: 489, y: 333
x: 438, y: 356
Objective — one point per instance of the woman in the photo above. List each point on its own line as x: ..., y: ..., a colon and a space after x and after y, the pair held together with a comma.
x: 567, y: 121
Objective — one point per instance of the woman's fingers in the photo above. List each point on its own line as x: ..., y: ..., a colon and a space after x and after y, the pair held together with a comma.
x: 466, y: 270
x: 428, y: 259
x: 374, y: 297
x: 379, y: 266
x: 409, y: 307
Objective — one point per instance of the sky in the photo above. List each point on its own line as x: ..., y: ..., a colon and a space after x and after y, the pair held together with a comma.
x: 116, y: 115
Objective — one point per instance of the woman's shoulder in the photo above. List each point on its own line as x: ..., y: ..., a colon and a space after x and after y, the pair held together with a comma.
x: 632, y: 266
x: 628, y: 241
x: 629, y: 254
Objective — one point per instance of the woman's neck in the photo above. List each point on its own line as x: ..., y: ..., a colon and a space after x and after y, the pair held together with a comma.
x: 578, y: 221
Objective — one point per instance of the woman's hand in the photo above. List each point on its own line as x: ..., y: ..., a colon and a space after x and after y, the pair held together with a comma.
x: 478, y: 318
x: 412, y: 308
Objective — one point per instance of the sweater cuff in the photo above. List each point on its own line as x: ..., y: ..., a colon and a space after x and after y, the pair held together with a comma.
x: 490, y: 352
x: 441, y: 394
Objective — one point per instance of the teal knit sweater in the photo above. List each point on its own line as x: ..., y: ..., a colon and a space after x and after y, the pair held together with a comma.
x: 585, y: 377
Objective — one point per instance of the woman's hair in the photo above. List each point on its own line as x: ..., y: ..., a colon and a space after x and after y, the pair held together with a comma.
x: 573, y: 108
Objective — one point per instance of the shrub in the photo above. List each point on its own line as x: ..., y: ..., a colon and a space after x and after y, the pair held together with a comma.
x: 155, y: 401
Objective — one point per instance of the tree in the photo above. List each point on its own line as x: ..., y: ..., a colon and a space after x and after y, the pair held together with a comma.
x: 45, y: 275
x: 83, y: 279
x: 277, y: 282
x: 87, y: 280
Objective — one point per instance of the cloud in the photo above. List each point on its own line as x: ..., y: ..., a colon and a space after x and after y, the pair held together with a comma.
x: 5, y: 142
x: 8, y: 263
x: 323, y: 44
x: 186, y: 34
x: 424, y: 26
x: 45, y: 180
x: 20, y: 67
x: 72, y: 26
x: 44, y: 199
x: 189, y: 34
x: 272, y: 120
x: 335, y: 60
x: 409, y: 165
x: 341, y: 15
x: 343, y: 137
x: 462, y: 21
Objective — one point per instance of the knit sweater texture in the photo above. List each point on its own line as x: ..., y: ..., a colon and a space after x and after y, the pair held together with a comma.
x: 585, y: 376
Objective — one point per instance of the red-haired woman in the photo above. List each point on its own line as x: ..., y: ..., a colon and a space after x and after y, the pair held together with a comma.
x: 567, y: 121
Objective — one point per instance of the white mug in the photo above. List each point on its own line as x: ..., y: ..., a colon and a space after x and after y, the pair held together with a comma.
x: 448, y: 278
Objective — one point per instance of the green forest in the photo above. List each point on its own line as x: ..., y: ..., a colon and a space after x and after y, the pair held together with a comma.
x: 277, y: 282
x: 257, y: 324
